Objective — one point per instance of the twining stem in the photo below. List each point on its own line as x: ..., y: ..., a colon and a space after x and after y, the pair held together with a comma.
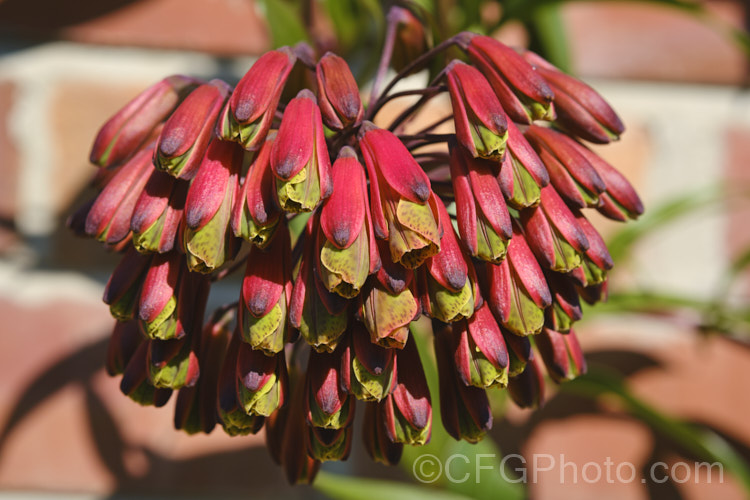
x: 416, y: 64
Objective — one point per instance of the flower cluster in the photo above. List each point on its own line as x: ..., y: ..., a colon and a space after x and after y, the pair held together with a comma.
x: 347, y: 234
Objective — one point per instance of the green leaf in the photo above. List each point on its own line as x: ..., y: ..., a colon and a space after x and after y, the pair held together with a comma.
x: 284, y: 22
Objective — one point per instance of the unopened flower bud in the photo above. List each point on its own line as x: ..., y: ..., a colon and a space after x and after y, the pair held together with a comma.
x: 261, y: 380
x: 562, y: 354
x: 338, y: 94
x: 134, y: 124
x: 299, y: 157
x: 522, y: 175
x: 248, y: 113
x: 157, y: 217
x: 186, y: 134
x: 481, y: 124
x: 368, y: 370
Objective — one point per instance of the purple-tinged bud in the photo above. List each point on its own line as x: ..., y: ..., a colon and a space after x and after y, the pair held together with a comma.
x: 566, y: 307
x: 368, y: 371
x: 553, y: 233
x: 408, y: 409
x: 464, y: 409
x: 517, y: 291
x: 195, y: 409
x: 561, y: 353
x: 231, y: 413
x: 125, y: 339
x: 108, y: 219
x: 481, y: 124
x: 329, y: 409
x: 169, y: 297
x: 572, y: 175
x: 172, y: 363
x: 186, y: 134
x: 348, y: 253
x: 519, y: 352
x: 124, y: 286
x: 392, y: 275
x: 265, y: 295
x: 338, y: 94
x: 480, y: 353
x: 299, y: 156
x: 136, y: 385
x: 594, y: 293
x: 522, y: 175
x: 448, y: 285
x: 619, y: 201
x: 524, y: 93
x: 208, y: 241
x: 157, y: 217
x: 375, y: 436
x: 580, y: 109
x: 286, y: 436
x: 411, y: 39
x: 596, y: 261
x: 262, y: 383
x: 134, y: 124
x: 527, y: 388
x: 402, y: 203
x: 248, y: 113
x: 319, y: 315
x: 483, y: 219
x: 256, y: 212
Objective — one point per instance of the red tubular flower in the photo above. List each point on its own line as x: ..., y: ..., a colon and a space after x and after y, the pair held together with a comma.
x: 524, y: 93
x: 348, y: 253
x: 231, y: 413
x: 517, y: 291
x: 553, y: 233
x: 134, y: 124
x: 411, y: 38
x: 320, y: 316
x: 562, y: 354
x: 368, y: 371
x: 522, y: 175
x: 338, y: 94
x: 566, y: 307
x: 157, y: 217
x: 248, y: 113
x: 527, y: 388
x: 481, y: 125
x: 580, y: 109
x: 186, y: 134
x: 464, y: 409
x: 124, y: 341
x: 172, y: 363
x: 402, y: 204
x: 329, y: 409
x: 262, y: 384
x: 482, y: 216
x: 136, y: 385
x: 573, y: 176
x: 448, y: 284
x: 480, y: 354
x: 519, y: 352
x: 195, y: 408
x: 256, y: 212
x: 619, y: 201
x: 299, y: 157
x: 596, y: 261
x: 124, y: 285
x: 108, y: 219
x: 375, y: 436
x: 408, y: 409
x: 265, y: 295
x: 208, y: 208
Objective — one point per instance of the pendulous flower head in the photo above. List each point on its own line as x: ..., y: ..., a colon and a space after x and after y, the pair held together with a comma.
x: 348, y: 232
